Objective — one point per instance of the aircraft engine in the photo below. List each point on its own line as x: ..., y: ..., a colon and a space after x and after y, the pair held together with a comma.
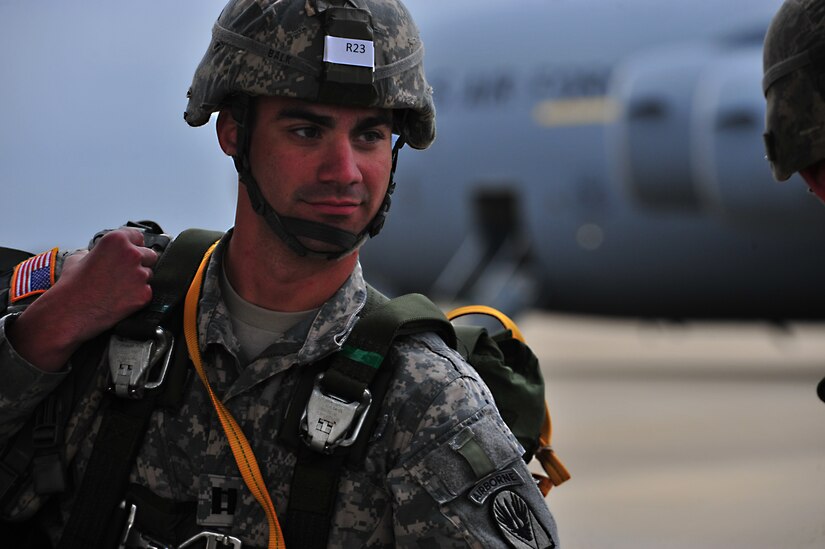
x: 688, y: 136
x: 649, y: 143
x: 729, y: 166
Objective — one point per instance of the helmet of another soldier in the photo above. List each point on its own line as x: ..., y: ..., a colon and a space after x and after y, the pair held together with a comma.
x: 794, y: 86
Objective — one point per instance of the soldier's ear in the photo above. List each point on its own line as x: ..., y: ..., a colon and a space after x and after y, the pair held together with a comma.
x: 227, y: 131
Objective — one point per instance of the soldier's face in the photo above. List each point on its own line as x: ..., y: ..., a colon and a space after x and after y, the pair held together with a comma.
x: 318, y: 162
x: 814, y: 176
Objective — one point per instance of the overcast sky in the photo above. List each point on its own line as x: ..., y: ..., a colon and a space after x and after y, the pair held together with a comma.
x: 93, y: 94
x: 93, y: 131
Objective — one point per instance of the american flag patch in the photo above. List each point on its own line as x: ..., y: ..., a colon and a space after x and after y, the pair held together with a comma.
x: 33, y: 276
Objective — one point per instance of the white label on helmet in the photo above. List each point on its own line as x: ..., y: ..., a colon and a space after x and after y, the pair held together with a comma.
x: 349, y: 51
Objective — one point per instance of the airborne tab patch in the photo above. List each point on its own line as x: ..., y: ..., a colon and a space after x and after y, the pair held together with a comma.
x: 33, y: 276
x: 492, y: 483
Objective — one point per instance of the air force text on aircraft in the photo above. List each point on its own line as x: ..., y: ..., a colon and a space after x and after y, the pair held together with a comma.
x: 498, y: 87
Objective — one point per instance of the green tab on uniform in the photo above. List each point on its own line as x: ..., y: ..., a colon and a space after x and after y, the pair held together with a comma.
x: 466, y: 444
x: 364, y: 357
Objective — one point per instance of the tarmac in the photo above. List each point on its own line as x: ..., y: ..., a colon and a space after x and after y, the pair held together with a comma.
x: 677, y: 436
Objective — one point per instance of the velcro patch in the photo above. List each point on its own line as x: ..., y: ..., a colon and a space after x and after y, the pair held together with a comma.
x: 494, y: 482
x: 33, y: 276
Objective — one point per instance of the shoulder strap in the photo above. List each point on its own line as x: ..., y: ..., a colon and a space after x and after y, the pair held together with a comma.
x: 9, y: 258
x: 358, y: 367
x: 171, y: 278
x: 125, y: 419
x: 373, y: 335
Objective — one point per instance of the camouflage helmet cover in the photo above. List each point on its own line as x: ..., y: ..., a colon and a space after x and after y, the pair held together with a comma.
x: 276, y: 47
x: 794, y: 86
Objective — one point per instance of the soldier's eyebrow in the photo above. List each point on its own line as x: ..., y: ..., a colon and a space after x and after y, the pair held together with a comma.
x: 383, y: 119
x: 297, y: 113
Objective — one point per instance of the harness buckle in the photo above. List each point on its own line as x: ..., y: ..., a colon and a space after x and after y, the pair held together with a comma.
x: 212, y: 541
x: 131, y: 538
x: 328, y: 419
x: 130, y: 362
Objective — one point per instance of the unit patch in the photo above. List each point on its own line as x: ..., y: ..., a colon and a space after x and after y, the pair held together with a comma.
x: 517, y: 522
x: 494, y: 482
x: 218, y: 499
x: 33, y: 276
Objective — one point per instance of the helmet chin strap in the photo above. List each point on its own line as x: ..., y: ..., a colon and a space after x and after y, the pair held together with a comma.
x: 290, y: 229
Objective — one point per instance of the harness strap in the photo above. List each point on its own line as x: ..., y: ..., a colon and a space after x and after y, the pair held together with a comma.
x: 314, y: 487
x: 125, y: 420
x: 373, y: 335
x: 241, y: 449
x: 315, y: 477
x: 171, y: 278
x: 115, y: 449
x: 312, y: 496
x: 15, y: 463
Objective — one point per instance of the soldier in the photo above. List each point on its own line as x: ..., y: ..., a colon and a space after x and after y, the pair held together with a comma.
x: 795, y: 91
x: 309, y: 95
x: 794, y: 86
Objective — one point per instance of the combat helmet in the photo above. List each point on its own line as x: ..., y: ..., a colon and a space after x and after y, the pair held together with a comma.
x: 365, y: 53
x: 794, y: 86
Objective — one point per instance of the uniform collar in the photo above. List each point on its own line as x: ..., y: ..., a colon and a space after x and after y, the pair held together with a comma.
x: 305, y: 343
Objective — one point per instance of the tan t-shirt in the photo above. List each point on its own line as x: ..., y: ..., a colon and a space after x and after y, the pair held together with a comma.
x: 255, y: 327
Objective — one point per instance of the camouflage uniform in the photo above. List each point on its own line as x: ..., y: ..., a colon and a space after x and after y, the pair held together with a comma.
x: 414, y: 488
